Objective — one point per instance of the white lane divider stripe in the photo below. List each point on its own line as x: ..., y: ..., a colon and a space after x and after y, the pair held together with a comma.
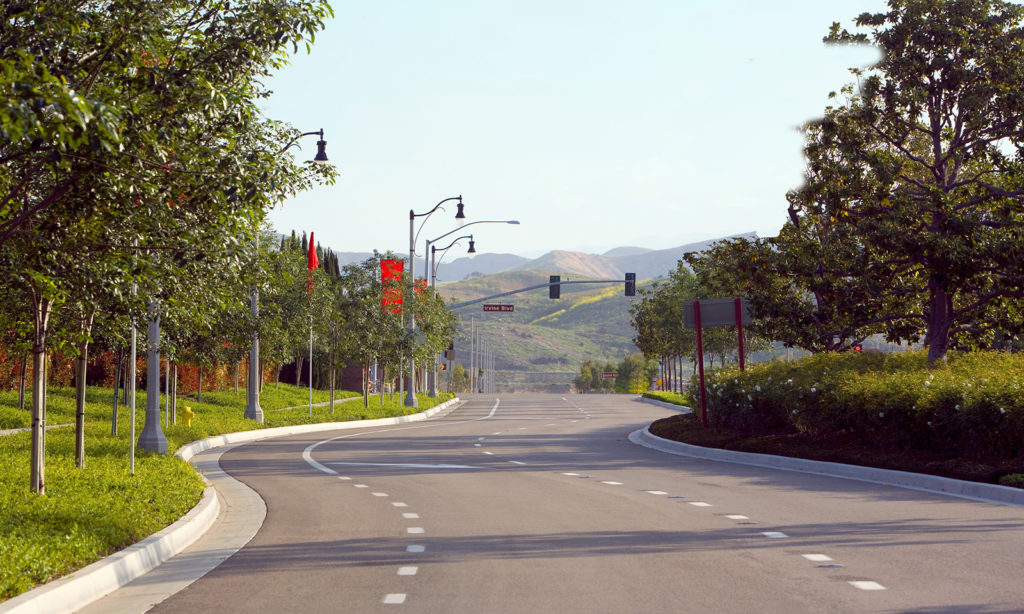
x: 341, y: 477
x: 394, y: 598
x: 380, y: 494
x: 517, y: 463
x: 360, y: 485
x: 657, y: 492
x: 699, y: 504
x: 399, y: 504
x: 415, y: 548
x: 613, y: 483
x: 774, y: 534
x: 737, y: 517
x: 408, y: 571
x: 572, y: 474
x: 867, y: 585
x: 407, y: 465
x: 410, y: 515
x: 818, y: 558
x: 488, y: 453
x: 415, y: 530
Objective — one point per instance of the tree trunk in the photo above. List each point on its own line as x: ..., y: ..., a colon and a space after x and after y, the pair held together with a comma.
x: 298, y: 372
x: 124, y: 384
x: 366, y: 385
x: 940, y: 317
x: 236, y: 375
x: 41, y: 322
x: 21, y: 383
x: 174, y: 393
x: 83, y: 359
x: 117, y: 382
x: 332, y: 372
x: 199, y: 386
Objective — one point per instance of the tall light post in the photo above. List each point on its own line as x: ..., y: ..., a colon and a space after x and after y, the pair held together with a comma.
x: 410, y: 399
x: 454, y: 230
x: 253, y: 410
x: 433, y: 279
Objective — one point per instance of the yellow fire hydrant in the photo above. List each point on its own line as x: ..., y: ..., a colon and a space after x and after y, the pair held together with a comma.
x: 187, y: 415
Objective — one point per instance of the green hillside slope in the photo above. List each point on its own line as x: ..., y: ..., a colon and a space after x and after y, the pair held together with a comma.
x: 541, y: 344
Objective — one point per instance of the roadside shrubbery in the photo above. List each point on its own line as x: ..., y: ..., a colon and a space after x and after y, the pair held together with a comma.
x: 972, y: 406
x: 665, y: 397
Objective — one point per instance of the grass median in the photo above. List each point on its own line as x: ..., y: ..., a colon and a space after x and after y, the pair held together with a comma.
x: 89, y: 513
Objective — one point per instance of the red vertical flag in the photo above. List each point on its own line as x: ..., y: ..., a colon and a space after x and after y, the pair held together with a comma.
x: 311, y: 262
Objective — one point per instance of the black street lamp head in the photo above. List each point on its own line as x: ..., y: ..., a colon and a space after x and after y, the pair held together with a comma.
x: 461, y: 215
x: 321, y: 149
x: 472, y: 247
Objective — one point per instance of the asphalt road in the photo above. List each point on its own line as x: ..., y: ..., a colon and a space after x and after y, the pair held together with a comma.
x: 539, y: 504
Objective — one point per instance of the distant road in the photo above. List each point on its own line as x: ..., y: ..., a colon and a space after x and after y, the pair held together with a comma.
x: 539, y: 504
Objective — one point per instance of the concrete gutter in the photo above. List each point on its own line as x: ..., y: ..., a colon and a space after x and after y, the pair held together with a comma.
x: 975, y: 491
x: 73, y: 592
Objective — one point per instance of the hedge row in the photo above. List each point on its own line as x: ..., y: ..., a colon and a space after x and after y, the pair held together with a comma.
x: 972, y: 406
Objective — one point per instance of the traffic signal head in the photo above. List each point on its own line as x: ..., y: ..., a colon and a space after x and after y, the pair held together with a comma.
x: 857, y: 347
x: 554, y: 289
x: 630, y: 284
x: 444, y: 366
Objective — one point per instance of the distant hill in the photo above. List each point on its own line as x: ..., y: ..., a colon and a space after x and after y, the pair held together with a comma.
x: 481, y: 264
x: 541, y: 344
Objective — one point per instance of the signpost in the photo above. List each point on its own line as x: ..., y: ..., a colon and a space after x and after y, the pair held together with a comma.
x: 712, y: 313
x: 502, y: 308
x: 609, y: 375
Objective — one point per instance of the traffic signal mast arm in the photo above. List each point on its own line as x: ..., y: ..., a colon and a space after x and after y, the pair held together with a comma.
x: 535, y: 287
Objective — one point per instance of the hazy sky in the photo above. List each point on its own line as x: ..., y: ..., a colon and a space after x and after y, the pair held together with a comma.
x: 595, y: 123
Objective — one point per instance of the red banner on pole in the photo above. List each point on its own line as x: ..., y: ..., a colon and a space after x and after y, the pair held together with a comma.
x: 391, y: 277
x: 311, y: 263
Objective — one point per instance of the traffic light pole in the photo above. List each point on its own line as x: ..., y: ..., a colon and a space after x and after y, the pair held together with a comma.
x: 536, y: 287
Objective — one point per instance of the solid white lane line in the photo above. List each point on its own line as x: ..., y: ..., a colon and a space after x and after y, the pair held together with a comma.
x: 657, y: 492
x: 408, y: 571
x: 341, y: 477
x: 774, y: 534
x: 613, y: 483
x: 573, y: 474
x: 380, y: 494
x: 488, y: 453
x: 415, y: 548
x: 818, y: 558
x: 399, y: 504
x: 517, y: 463
x: 498, y: 433
x: 736, y: 517
x: 699, y: 504
x: 394, y: 598
x: 415, y: 530
x: 867, y: 585
x: 360, y: 485
x: 410, y: 515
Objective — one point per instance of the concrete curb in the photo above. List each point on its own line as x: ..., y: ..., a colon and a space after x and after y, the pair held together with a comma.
x: 74, y: 591
x: 975, y: 491
x: 679, y: 408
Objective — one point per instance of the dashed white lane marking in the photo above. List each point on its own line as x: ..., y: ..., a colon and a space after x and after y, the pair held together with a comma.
x: 867, y: 585
x: 572, y: 474
x: 415, y: 548
x: 699, y: 504
x: 488, y: 453
x: 736, y: 517
x: 380, y: 494
x: 774, y: 534
x: 522, y: 428
x: 480, y: 438
x: 394, y: 598
x: 408, y: 571
x: 399, y: 504
x: 613, y: 483
x: 477, y: 445
x: 341, y: 477
x: 517, y: 463
x: 498, y: 433
x: 656, y: 492
x: 360, y: 485
x: 818, y: 558
x: 415, y: 530
x: 410, y: 515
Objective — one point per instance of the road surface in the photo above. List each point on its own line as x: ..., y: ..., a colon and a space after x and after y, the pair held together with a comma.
x: 539, y: 503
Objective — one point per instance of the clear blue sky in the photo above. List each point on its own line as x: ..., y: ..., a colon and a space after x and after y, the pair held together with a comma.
x: 596, y: 123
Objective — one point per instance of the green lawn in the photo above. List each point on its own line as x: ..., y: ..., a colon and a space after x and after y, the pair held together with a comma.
x: 89, y: 513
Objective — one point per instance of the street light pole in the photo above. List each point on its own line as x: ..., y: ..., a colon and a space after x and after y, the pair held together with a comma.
x: 253, y: 411
x: 433, y: 280
x: 410, y: 399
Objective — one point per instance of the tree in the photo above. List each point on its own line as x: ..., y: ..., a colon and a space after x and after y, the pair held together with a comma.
x: 924, y: 165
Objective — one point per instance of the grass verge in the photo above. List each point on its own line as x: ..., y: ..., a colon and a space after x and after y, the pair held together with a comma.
x: 89, y: 513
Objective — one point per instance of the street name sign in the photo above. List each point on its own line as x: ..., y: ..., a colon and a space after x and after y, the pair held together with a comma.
x: 493, y: 307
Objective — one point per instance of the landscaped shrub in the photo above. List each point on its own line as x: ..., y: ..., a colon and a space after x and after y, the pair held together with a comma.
x: 665, y: 397
x: 971, y: 406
